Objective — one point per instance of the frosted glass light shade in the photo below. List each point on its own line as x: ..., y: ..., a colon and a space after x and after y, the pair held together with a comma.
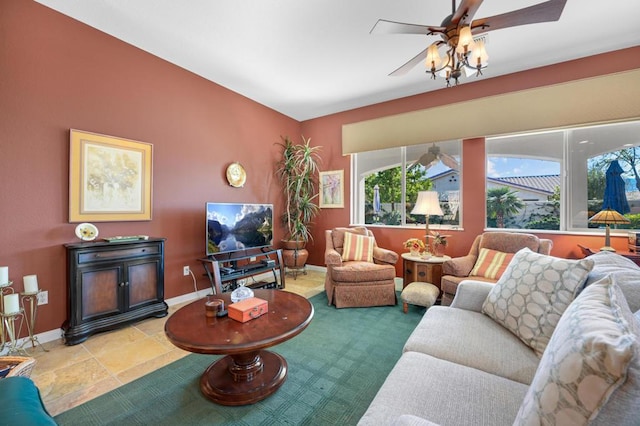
x: 465, y: 41
x: 433, y: 57
x: 479, y: 52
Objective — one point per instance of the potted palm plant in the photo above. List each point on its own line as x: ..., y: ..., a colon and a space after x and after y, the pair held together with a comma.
x: 298, y: 170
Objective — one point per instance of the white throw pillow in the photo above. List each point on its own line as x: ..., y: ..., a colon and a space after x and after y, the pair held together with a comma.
x: 533, y: 293
x: 586, y: 361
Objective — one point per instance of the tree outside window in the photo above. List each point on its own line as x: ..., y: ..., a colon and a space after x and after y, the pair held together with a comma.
x: 398, y: 176
x: 560, y: 176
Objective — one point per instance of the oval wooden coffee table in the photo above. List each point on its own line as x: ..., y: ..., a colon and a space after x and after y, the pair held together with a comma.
x: 248, y: 373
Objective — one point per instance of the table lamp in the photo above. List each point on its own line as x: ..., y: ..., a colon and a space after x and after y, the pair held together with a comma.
x: 607, y: 217
x: 427, y: 204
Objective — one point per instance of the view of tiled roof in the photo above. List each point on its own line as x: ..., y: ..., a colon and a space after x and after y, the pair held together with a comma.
x: 545, y: 183
x: 542, y: 183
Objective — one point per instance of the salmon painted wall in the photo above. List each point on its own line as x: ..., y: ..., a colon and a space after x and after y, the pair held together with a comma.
x: 57, y: 74
x: 327, y: 131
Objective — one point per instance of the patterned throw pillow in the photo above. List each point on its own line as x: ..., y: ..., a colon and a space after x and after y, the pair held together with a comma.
x: 587, y: 359
x: 532, y: 294
x: 491, y: 263
x: 357, y: 247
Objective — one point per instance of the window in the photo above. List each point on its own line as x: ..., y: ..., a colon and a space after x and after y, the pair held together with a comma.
x: 386, y: 183
x: 556, y: 180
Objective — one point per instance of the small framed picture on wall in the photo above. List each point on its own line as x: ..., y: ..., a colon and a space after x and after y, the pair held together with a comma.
x: 332, y: 189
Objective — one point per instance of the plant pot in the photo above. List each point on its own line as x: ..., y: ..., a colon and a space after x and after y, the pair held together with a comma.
x: 295, y: 259
x: 438, y: 250
x: 294, y: 255
x: 293, y: 244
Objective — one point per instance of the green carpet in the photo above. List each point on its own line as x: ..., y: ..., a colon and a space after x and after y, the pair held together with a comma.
x: 336, y: 367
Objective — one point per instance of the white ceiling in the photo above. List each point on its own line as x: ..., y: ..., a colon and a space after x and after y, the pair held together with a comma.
x: 311, y: 58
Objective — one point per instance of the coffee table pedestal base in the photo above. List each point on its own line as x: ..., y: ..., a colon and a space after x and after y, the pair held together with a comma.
x: 244, y: 379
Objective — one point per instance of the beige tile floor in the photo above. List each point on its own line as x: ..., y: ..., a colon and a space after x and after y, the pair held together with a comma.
x: 70, y: 375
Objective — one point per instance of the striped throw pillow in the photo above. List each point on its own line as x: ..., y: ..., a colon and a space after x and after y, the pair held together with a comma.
x: 491, y: 263
x: 357, y: 247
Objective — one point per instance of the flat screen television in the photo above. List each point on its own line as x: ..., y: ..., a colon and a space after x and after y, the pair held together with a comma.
x: 238, y: 226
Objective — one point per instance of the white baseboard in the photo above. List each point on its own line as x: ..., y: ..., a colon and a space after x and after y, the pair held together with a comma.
x: 317, y: 268
x: 47, y: 336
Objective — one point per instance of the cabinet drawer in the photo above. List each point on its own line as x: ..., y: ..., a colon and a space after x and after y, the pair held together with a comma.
x: 94, y: 256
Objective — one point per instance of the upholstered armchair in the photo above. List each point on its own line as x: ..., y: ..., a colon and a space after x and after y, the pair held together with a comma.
x: 499, y: 249
x: 359, y: 273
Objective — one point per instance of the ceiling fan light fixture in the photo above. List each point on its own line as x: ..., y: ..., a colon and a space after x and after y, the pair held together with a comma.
x: 433, y: 60
x: 447, y: 67
x: 479, y: 57
x: 465, y: 41
x: 466, y: 53
x: 433, y: 56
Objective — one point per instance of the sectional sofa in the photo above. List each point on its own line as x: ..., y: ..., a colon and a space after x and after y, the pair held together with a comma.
x: 563, y: 349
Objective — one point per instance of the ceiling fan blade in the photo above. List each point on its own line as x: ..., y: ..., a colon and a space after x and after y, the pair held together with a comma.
x: 431, y: 164
x: 408, y: 66
x: 449, y: 161
x: 548, y: 11
x: 465, y: 12
x: 391, y: 27
x: 428, y: 159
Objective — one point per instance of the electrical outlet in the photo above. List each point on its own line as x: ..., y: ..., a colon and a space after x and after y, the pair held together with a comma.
x: 185, y: 270
x: 43, y: 297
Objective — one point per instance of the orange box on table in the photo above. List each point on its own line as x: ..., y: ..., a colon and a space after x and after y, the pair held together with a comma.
x: 248, y: 309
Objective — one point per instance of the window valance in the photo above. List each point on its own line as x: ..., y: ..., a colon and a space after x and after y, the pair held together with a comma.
x: 607, y: 98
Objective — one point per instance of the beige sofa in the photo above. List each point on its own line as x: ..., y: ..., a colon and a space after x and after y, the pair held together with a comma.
x: 458, y: 269
x: 460, y: 367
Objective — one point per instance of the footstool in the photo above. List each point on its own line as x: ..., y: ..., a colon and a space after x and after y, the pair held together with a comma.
x: 419, y: 293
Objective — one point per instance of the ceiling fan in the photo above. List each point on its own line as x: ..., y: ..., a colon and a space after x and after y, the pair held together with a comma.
x: 434, y: 155
x: 457, y: 31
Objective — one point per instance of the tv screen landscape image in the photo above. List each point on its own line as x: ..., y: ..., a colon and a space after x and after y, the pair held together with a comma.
x: 237, y: 226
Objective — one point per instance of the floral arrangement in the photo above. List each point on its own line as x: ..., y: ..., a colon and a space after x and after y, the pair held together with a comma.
x: 438, y: 238
x: 414, y: 244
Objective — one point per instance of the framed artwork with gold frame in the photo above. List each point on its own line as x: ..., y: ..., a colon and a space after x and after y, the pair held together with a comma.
x: 110, y: 178
x: 331, y: 189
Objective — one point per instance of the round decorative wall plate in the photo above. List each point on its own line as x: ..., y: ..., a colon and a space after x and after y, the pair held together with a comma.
x: 86, y: 231
x: 236, y: 175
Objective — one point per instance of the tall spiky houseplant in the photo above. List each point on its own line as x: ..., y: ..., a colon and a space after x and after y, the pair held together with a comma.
x: 297, y: 170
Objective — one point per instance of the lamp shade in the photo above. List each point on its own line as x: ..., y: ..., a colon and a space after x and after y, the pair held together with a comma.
x: 479, y: 55
x: 433, y: 56
x: 427, y: 204
x: 608, y: 217
x: 465, y: 41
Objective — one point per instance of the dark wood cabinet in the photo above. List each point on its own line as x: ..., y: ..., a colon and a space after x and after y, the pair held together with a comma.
x: 112, y: 284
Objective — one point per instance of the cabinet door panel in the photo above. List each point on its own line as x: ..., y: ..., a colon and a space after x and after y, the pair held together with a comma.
x: 408, y: 272
x: 429, y: 273
x: 100, y: 291
x: 143, y: 282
